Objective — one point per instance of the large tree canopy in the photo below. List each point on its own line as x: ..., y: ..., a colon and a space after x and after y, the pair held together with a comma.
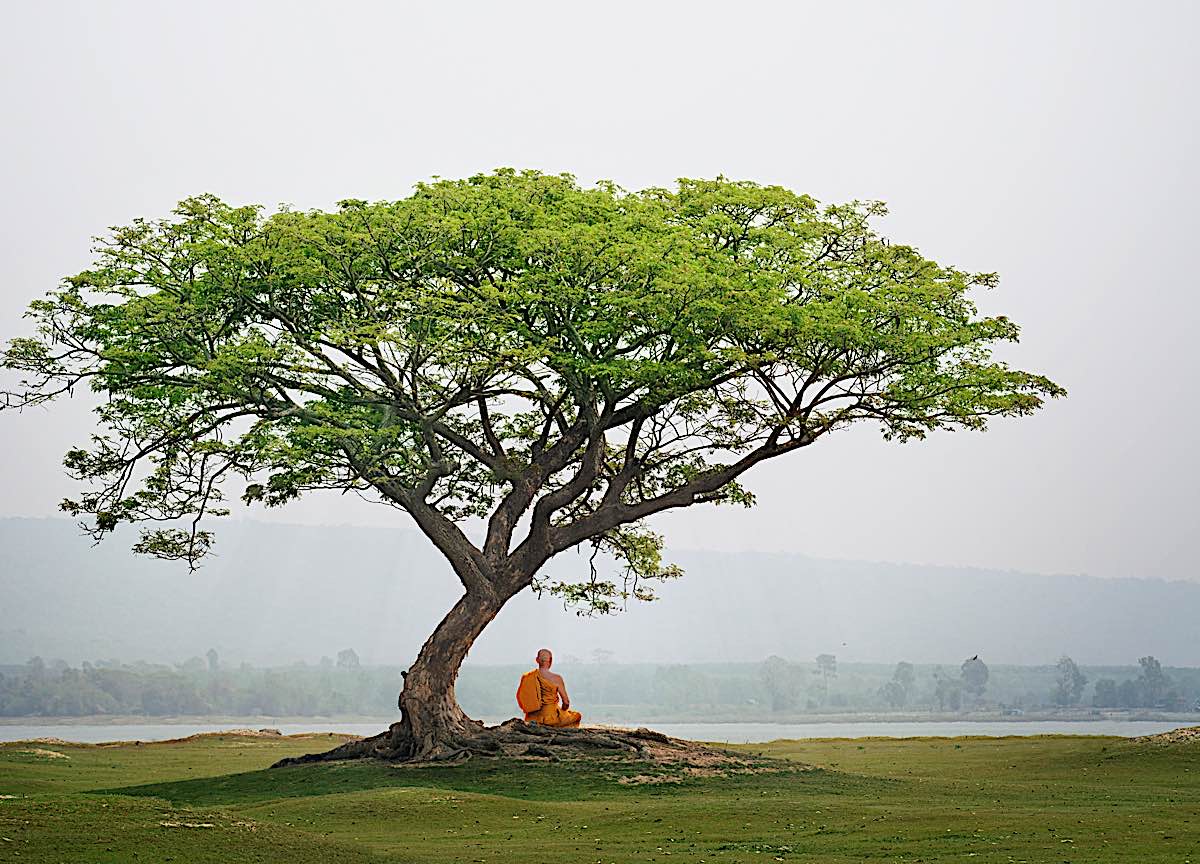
x: 560, y: 361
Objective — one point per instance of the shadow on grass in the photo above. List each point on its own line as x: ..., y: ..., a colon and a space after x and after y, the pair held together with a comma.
x: 570, y: 780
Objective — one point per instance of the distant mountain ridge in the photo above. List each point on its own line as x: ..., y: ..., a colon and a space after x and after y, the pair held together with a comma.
x: 276, y: 593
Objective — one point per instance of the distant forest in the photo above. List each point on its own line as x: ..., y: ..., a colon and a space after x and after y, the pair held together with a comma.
x: 775, y: 689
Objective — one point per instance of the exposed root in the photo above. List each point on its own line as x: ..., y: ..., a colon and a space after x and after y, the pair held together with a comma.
x: 520, y: 739
x: 41, y: 753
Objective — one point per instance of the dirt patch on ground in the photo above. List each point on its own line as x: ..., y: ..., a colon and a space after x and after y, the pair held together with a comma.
x: 240, y: 733
x: 695, y: 759
x: 203, y: 736
x: 56, y: 742
x: 1186, y: 735
x: 679, y: 774
x: 199, y: 736
x: 40, y: 753
x: 644, y: 779
x: 680, y: 752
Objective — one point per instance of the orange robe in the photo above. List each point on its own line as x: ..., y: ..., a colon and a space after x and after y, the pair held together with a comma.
x: 550, y: 714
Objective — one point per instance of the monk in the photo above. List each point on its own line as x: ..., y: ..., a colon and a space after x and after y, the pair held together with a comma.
x: 553, y: 691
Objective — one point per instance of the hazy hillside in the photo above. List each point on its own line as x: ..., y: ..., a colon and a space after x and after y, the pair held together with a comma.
x: 278, y: 593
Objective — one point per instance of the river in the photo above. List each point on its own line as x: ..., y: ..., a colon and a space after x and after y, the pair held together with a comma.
x: 728, y: 733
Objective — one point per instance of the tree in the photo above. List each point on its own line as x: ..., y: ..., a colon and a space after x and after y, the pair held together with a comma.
x: 1070, y: 683
x: 36, y: 667
x: 948, y: 692
x: 561, y: 363
x: 826, y: 668
x: 347, y: 659
x: 974, y: 674
x: 1152, y: 682
x: 1130, y: 694
x: 781, y: 680
x: 1105, y: 694
x: 895, y: 692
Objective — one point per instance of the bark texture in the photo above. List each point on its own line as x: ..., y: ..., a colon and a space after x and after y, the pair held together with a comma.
x: 431, y: 720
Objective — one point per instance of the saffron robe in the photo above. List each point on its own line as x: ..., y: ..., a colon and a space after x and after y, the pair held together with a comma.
x: 529, y: 695
x: 550, y: 714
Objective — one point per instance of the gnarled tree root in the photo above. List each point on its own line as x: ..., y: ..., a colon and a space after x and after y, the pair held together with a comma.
x: 515, y: 738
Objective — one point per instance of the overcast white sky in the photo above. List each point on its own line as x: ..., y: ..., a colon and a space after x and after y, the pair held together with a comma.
x: 1053, y: 142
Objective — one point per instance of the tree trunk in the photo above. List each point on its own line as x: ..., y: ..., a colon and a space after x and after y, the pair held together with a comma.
x: 431, y: 720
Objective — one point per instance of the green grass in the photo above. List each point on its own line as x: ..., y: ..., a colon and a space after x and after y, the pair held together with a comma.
x: 1040, y: 799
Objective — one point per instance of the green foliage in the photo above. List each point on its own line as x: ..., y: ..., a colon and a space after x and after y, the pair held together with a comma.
x: 826, y: 668
x: 1070, y: 683
x: 974, y: 673
x: 507, y: 344
x: 1105, y: 695
x: 904, y: 675
x: 1152, y: 681
x: 639, y: 552
x: 948, y: 692
x: 1152, y: 688
x: 784, y: 683
x: 896, y: 691
x: 195, y: 689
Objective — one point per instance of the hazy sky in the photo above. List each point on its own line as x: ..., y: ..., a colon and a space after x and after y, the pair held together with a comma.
x: 1053, y: 142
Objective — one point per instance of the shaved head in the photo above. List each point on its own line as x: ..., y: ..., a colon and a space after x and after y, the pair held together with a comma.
x: 544, y: 658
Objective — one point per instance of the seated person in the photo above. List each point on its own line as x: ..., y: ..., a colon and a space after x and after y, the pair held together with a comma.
x: 541, y: 692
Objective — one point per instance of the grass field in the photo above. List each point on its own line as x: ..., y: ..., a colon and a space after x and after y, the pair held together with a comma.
x: 211, y: 799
